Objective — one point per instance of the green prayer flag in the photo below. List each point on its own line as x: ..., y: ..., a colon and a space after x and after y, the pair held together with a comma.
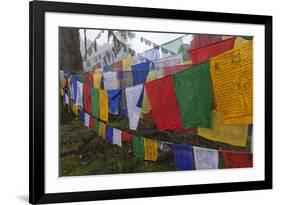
x: 81, y: 78
x: 97, y: 126
x: 138, y: 146
x: 194, y: 95
x: 95, y: 102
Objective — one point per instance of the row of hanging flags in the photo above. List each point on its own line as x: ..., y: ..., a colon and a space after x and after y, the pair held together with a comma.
x: 210, y: 96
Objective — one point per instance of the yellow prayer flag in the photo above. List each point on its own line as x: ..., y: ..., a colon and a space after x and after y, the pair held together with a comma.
x: 102, y: 129
x: 230, y: 134
x: 97, y: 76
x: 127, y: 63
x: 145, y: 104
x: 150, y: 149
x: 239, y: 40
x: 63, y: 83
x: 103, y: 102
x: 75, y: 109
x: 61, y: 92
x: 232, y: 77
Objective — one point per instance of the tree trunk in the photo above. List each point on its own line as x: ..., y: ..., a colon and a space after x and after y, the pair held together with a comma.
x: 69, y: 49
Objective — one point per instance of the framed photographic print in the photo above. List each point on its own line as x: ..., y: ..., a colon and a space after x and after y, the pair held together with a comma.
x: 130, y: 102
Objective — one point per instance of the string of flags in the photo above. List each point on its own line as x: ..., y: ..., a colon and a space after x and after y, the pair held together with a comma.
x: 167, y: 91
x: 186, y: 157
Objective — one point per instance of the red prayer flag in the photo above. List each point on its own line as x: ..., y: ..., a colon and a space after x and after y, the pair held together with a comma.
x: 170, y: 70
x: 201, y: 40
x: 118, y: 66
x: 235, y: 159
x: 87, y: 98
x: 163, y: 102
x: 202, y: 54
x: 126, y: 137
x: 92, y: 122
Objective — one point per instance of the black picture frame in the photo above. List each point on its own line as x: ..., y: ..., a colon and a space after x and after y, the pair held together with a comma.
x: 37, y: 9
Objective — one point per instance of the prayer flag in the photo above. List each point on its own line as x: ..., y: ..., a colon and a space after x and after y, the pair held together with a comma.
x: 230, y: 134
x: 140, y: 72
x: 194, y: 96
x: 199, y: 55
x: 132, y: 96
x: 86, y: 119
x: 117, y: 137
x: 235, y: 159
x: 79, y: 99
x: 114, y: 100
x: 206, y: 158
x: 102, y: 130
x: 232, y: 77
x: 138, y: 146
x: 163, y: 102
x: 95, y: 102
x: 103, y: 102
x: 183, y: 157
x: 126, y: 137
x: 87, y: 98
x: 109, y: 134
x: 150, y: 149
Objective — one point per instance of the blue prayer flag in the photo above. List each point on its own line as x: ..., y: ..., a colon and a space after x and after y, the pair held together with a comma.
x: 183, y: 157
x: 140, y: 72
x: 109, y: 134
x: 114, y: 100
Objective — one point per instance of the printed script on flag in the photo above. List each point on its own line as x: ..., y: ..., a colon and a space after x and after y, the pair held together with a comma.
x: 232, y: 77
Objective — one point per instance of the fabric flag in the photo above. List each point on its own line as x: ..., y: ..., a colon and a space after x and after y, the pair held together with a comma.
x: 126, y: 137
x: 125, y: 79
x: 202, y: 54
x: 79, y: 99
x: 168, y: 61
x: 163, y: 102
x: 102, y: 130
x: 201, y: 40
x: 171, y: 70
x: 74, y: 88
x: 95, y: 102
x: 145, y: 107
x: 122, y: 111
x: 109, y: 134
x: 164, y: 147
x: 82, y: 117
x: 152, y: 54
x: 97, y: 76
x: 118, y: 66
x: 66, y: 99
x: 114, y: 100
x: 150, y: 149
x: 75, y: 109
x: 174, y: 45
x: 232, y: 77
x: 194, y: 96
x: 127, y: 62
x: 87, y: 98
x: 132, y: 97
x: 117, y: 137
x: 140, y: 72
x: 80, y: 78
x: 87, y: 119
x: 235, y: 159
x: 250, y: 130
x: 91, y: 122
x: 97, y: 126
x: 230, y: 134
x: 110, y: 80
x: 103, y: 104
x: 183, y: 157
x: 205, y: 158
x: 138, y: 146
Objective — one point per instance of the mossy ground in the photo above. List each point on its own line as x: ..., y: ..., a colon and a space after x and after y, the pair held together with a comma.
x: 83, y: 152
